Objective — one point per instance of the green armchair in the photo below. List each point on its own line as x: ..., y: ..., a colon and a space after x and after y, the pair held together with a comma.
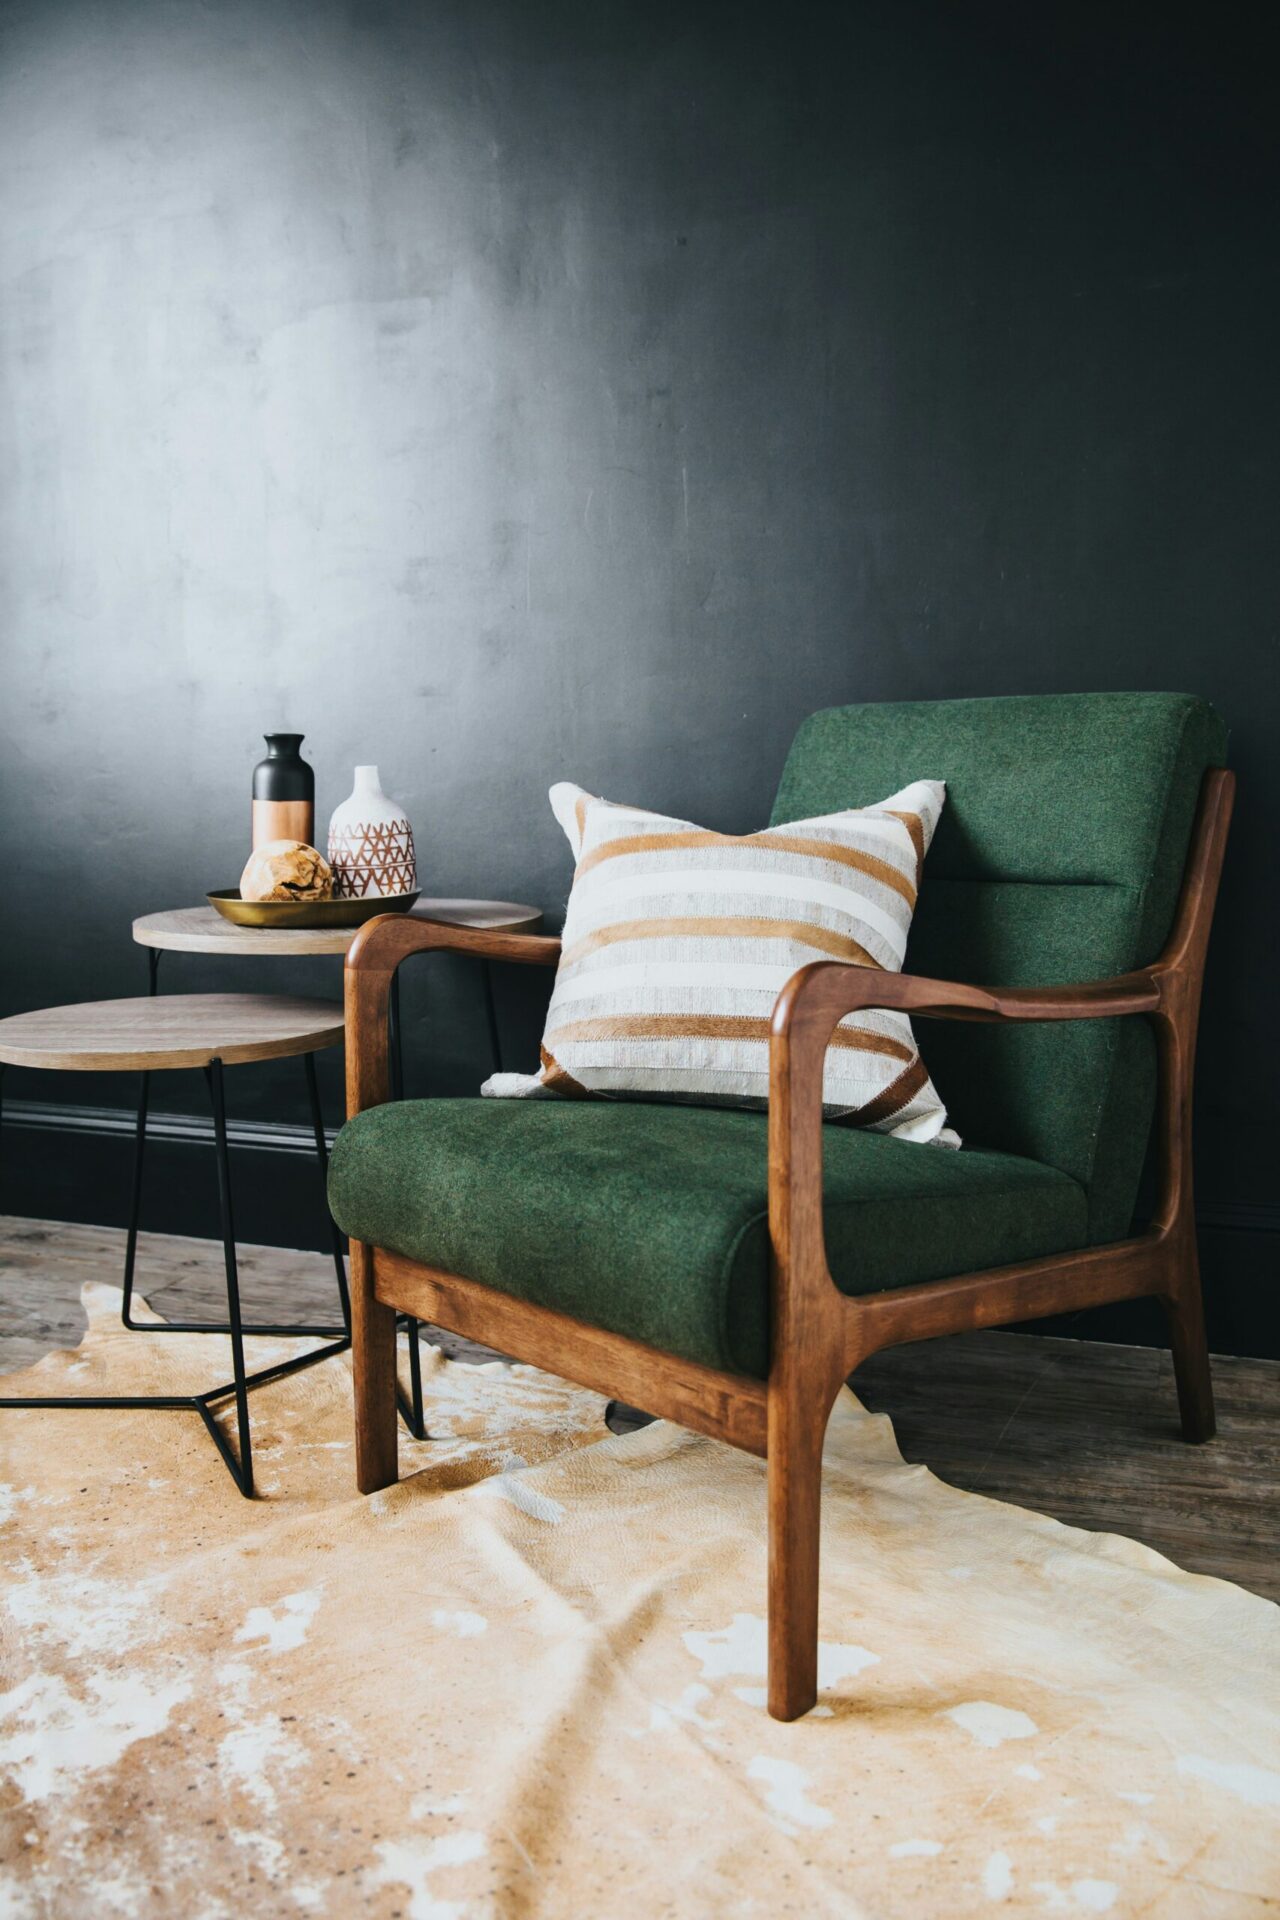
x: 729, y: 1270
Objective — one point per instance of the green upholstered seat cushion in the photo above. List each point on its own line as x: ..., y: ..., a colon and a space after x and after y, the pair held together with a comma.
x: 1059, y: 858
x: 651, y: 1220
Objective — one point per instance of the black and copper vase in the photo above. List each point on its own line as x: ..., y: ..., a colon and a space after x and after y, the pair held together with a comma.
x: 284, y: 793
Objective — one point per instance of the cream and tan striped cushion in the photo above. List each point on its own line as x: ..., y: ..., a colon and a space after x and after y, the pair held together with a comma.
x: 677, y: 943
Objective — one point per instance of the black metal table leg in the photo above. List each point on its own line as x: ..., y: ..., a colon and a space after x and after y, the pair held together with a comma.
x: 224, y: 1326
x: 411, y: 1410
x: 322, y: 1155
x: 135, y: 1204
x: 239, y: 1388
x: 139, y: 1147
x: 241, y: 1471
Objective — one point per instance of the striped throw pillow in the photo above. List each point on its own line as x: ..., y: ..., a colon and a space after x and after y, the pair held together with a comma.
x: 677, y: 943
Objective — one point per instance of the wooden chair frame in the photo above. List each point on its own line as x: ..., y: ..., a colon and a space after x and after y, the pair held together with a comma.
x: 819, y: 1335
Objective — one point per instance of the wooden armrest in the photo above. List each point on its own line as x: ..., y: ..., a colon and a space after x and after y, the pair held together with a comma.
x: 822, y: 993
x: 372, y: 959
x: 805, y: 1015
x: 383, y: 943
x: 814, y: 999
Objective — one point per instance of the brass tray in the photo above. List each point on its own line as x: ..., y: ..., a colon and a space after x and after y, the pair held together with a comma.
x: 306, y: 913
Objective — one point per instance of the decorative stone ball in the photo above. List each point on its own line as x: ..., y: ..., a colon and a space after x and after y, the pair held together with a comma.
x: 286, y: 870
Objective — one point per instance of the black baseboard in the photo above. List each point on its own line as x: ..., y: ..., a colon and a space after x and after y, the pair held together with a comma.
x: 186, y: 1129
x: 76, y: 1163
x: 63, y: 1162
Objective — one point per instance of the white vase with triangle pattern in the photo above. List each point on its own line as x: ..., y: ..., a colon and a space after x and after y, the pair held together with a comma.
x: 371, y: 843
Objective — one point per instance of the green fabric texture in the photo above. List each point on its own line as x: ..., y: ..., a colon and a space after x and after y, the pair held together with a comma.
x: 1058, y: 859
x: 651, y: 1220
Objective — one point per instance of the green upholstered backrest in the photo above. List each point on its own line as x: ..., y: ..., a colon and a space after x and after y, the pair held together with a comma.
x: 1059, y: 859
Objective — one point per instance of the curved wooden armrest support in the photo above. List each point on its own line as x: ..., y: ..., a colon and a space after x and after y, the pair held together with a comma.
x: 818, y: 996
x: 372, y: 959
x: 383, y: 943
x: 805, y: 1015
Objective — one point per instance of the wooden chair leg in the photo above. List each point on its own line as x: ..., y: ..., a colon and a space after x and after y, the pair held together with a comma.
x: 1185, y: 1308
x: 797, y: 1427
x: 373, y: 1366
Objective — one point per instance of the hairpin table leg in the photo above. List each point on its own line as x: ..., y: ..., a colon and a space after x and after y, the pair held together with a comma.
x: 243, y: 1472
x: 139, y: 1147
x: 322, y: 1155
x: 239, y: 1388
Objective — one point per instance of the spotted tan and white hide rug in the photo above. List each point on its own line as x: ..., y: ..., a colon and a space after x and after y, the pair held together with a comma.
x: 529, y: 1680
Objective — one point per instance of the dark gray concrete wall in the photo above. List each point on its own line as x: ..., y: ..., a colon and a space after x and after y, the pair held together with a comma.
x: 507, y: 392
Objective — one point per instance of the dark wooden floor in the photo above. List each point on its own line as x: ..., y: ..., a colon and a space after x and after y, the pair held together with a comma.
x: 1089, y: 1433
x: 1080, y: 1430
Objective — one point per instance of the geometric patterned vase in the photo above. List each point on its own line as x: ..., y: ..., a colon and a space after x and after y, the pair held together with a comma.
x: 371, y: 843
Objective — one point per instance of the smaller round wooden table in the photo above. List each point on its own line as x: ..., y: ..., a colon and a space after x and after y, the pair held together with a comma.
x: 181, y: 1030
x: 211, y: 1031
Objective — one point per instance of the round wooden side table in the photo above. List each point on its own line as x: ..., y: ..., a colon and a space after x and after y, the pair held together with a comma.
x: 204, y: 930
x: 211, y: 1031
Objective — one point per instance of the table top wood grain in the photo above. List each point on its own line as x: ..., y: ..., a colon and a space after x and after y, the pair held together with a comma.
x: 159, y: 1031
x: 204, y: 930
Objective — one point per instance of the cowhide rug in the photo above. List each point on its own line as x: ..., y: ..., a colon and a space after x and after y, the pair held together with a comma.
x: 528, y: 1681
